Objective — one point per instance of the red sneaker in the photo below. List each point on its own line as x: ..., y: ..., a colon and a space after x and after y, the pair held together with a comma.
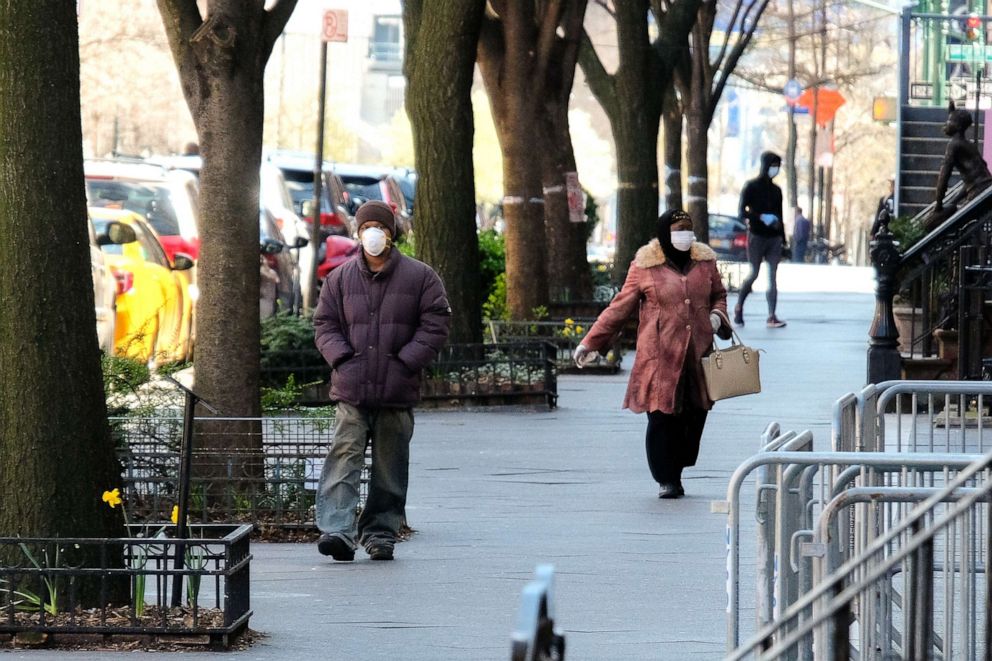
x: 775, y: 322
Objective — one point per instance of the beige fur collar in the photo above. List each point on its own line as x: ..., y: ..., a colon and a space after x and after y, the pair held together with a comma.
x: 652, y: 255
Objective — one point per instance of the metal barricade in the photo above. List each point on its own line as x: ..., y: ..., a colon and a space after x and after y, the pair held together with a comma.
x: 535, y: 636
x: 894, y: 444
x: 909, y: 549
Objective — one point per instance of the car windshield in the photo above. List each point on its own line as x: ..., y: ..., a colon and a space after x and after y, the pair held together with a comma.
x: 300, y: 185
x: 152, y: 201
x: 359, y: 186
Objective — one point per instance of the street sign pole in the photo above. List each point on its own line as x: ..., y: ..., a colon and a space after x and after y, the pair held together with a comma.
x: 318, y: 177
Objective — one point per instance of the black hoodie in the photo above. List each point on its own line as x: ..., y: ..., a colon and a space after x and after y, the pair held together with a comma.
x: 760, y: 196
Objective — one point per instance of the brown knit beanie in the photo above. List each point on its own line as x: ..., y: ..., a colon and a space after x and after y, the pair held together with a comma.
x: 376, y: 210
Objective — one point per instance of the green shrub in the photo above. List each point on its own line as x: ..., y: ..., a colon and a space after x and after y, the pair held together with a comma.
x: 405, y: 244
x: 492, y: 260
x: 906, y: 232
x: 123, y: 375
x: 495, y: 305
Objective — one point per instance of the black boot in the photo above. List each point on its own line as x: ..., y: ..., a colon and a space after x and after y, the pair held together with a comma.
x: 669, y: 490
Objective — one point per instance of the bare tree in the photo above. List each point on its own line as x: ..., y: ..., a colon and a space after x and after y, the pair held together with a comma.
x: 57, y: 453
x: 568, y: 268
x: 515, y: 50
x: 221, y: 57
x: 442, y: 36
x: 633, y: 99
x: 702, y: 78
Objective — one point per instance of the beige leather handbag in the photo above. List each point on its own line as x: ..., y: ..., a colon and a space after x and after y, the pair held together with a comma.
x: 733, y: 371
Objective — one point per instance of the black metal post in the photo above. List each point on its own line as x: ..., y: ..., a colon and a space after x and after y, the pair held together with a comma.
x: 185, y: 473
x: 318, y: 177
x: 884, y: 360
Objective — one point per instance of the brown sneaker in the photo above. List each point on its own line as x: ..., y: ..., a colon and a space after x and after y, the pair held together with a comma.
x: 775, y: 322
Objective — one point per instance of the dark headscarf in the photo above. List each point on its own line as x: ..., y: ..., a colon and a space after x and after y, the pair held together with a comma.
x: 678, y: 258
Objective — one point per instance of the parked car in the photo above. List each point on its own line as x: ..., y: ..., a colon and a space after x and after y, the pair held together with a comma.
x: 275, y: 199
x: 297, y: 169
x: 728, y: 237
x: 167, y: 199
x: 276, y: 256
x: 407, y: 179
x: 154, y: 307
x: 366, y: 182
x: 104, y: 285
x: 337, y: 251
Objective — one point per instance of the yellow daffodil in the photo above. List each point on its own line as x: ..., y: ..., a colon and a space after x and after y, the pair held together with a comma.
x: 567, y: 332
x: 579, y: 330
x: 175, y: 514
x: 569, y: 322
x: 112, y: 498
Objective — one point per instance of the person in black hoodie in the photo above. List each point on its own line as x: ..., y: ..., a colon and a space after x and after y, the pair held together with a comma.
x: 761, y: 210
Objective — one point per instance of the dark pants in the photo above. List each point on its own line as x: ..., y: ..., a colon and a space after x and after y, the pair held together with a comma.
x: 390, y: 431
x: 672, y: 442
x: 759, y: 249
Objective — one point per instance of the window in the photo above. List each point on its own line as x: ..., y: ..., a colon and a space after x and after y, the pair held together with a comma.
x: 386, y: 44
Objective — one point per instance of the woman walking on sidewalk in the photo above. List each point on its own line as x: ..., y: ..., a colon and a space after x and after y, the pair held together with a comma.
x: 674, y: 283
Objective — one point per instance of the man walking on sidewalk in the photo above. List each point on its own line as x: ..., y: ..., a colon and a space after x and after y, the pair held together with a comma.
x: 381, y: 319
x: 761, y: 210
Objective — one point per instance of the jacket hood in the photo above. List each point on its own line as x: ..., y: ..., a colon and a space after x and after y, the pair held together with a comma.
x: 768, y: 159
x: 651, y: 255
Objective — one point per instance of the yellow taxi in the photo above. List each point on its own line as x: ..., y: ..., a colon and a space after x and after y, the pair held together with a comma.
x: 154, y: 306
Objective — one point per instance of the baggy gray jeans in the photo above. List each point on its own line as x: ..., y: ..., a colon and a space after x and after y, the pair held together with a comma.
x: 390, y: 430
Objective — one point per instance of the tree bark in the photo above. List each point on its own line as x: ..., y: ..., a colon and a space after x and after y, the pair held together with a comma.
x: 568, y: 268
x: 56, y: 453
x: 442, y: 36
x: 221, y: 61
x: 511, y: 70
x: 697, y: 135
x: 672, y: 138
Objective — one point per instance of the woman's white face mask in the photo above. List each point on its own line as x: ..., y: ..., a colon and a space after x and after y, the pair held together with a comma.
x: 374, y: 241
x: 682, y: 240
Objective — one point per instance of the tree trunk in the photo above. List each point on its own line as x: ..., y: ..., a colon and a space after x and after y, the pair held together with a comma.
x: 441, y: 44
x: 507, y: 60
x: 568, y: 267
x: 221, y: 61
x: 636, y: 140
x: 57, y: 453
x: 697, y: 133
x: 791, y: 174
x: 672, y: 137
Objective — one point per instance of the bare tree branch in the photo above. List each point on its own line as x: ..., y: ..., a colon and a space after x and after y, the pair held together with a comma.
x: 275, y: 20
x: 735, y: 55
x: 547, y: 33
x: 602, y: 84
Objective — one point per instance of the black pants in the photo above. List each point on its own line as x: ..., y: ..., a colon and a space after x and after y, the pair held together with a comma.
x: 672, y: 442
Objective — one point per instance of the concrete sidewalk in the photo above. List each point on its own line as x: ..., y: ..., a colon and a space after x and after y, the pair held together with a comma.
x: 493, y: 493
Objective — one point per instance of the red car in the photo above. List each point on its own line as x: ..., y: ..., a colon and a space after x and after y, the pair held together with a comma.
x: 337, y: 250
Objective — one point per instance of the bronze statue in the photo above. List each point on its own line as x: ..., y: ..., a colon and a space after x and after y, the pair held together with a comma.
x: 961, y: 154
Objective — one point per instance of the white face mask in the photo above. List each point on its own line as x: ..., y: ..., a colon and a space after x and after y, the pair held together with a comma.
x: 374, y: 241
x: 683, y: 240
x: 773, y: 170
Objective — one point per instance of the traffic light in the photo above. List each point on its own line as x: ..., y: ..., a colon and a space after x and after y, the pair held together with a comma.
x: 973, y: 28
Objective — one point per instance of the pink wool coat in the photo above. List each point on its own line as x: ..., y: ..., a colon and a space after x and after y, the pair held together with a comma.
x: 673, y: 307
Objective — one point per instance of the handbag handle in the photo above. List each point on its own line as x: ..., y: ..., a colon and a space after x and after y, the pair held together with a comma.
x: 735, y: 339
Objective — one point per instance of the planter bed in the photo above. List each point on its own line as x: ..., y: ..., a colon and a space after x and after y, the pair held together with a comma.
x: 212, y: 614
x: 564, y: 335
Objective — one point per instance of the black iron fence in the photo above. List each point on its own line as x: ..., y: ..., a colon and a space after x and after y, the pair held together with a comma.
x: 488, y: 374
x: 503, y: 373
x: 135, y: 585
x: 565, y: 335
x: 252, y: 470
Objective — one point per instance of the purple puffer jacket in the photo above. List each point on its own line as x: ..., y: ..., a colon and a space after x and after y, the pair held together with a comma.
x: 379, y: 330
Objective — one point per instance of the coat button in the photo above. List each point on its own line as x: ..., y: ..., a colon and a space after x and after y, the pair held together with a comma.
x: 371, y: 348
x: 688, y: 326
x: 687, y: 301
x: 684, y: 278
